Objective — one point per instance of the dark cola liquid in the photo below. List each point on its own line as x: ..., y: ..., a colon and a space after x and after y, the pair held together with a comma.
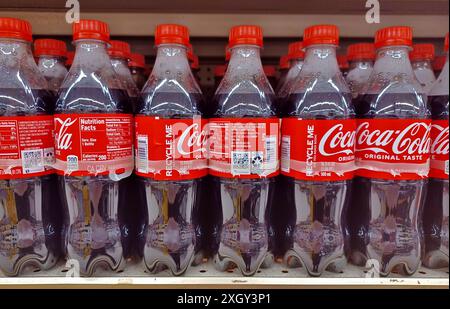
x: 246, y: 200
x: 326, y: 202
x: 108, y: 237
x: 435, y: 212
x: 383, y: 216
x: 183, y: 203
x: 24, y: 214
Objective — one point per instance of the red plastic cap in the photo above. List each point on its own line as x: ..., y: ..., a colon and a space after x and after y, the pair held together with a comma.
x: 227, y: 53
x: 137, y: 61
x: 361, y: 51
x: 70, y: 55
x: 422, y: 52
x: 321, y: 34
x: 342, y: 61
x: 50, y: 47
x: 393, y: 36
x: 269, y: 70
x: 119, y: 49
x: 171, y: 34
x: 246, y: 35
x: 438, y: 63
x: 446, y: 43
x: 219, y: 70
x: 284, y: 62
x: 90, y: 29
x: 15, y: 28
x: 295, y: 50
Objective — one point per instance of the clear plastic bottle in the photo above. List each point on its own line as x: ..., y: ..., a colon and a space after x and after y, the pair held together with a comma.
x: 137, y: 67
x: 52, y: 56
x: 119, y: 52
x: 296, y: 56
x: 317, y: 156
x: 243, y: 156
x: 392, y: 156
x: 170, y: 156
x: 361, y: 57
x: 436, y: 209
x: 29, y: 205
x: 421, y: 58
x: 94, y: 137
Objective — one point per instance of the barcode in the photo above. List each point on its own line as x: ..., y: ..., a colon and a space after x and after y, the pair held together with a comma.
x: 32, y: 161
x: 240, y: 163
x: 142, y: 153
x: 271, y: 152
x: 286, y: 154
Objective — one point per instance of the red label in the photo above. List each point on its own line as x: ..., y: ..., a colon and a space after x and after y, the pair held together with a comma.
x: 26, y: 146
x: 322, y: 150
x: 170, y: 149
x: 93, y: 144
x: 393, y: 148
x: 439, y: 149
x: 244, y: 147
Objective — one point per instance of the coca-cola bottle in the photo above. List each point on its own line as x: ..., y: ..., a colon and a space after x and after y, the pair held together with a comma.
x: 29, y: 205
x: 421, y: 58
x: 170, y: 156
x: 283, y: 68
x: 317, y: 155
x: 361, y: 57
x: 94, y: 157
x: 392, y: 157
x: 137, y: 67
x: 243, y: 156
x: 296, y: 56
x: 119, y: 52
x: 52, y: 56
x: 436, y: 209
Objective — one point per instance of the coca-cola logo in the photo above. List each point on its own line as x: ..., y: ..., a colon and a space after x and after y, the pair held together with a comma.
x: 62, y: 136
x: 412, y: 139
x: 440, y: 141
x: 336, y: 141
x: 192, y: 140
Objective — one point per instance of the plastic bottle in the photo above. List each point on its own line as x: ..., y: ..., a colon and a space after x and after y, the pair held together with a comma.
x: 392, y: 156
x: 243, y: 156
x: 421, y: 58
x: 93, y: 137
x: 29, y: 205
x: 317, y: 156
x: 361, y: 57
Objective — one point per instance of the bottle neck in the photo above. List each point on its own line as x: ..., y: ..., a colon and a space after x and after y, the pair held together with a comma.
x: 48, y: 62
x: 245, y: 61
x: 394, y: 60
x: 321, y: 58
x: 423, y: 64
x: 171, y: 59
x: 91, y: 55
x: 362, y: 64
x: 120, y: 65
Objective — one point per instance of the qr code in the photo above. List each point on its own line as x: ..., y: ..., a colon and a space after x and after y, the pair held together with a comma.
x: 32, y: 161
x: 240, y: 163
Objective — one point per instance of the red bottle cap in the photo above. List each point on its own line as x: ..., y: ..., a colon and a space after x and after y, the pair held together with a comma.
x: 321, y: 34
x: 119, y: 49
x: 15, y: 28
x: 269, y: 70
x: 195, y: 65
x: 342, y: 61
x: 137, y: 61
x: 171, y: 34
x: 219, y: 70
x: 361, y: 51
x: 50, y: 47
x: 392, y: 36
x: 295, y: 50
x: 438, y: 63
x: 227, y: 53
x: 90, y: 29
x: 422, y: 52
x: 70, y: 55
x: 284, y: 62
x: 446, y: 43
x: 246, y: 35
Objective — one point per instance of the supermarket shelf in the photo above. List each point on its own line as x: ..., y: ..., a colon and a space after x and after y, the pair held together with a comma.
x: 206, y: 276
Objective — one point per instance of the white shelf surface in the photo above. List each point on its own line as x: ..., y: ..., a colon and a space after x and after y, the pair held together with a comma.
x: 206, y: 276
